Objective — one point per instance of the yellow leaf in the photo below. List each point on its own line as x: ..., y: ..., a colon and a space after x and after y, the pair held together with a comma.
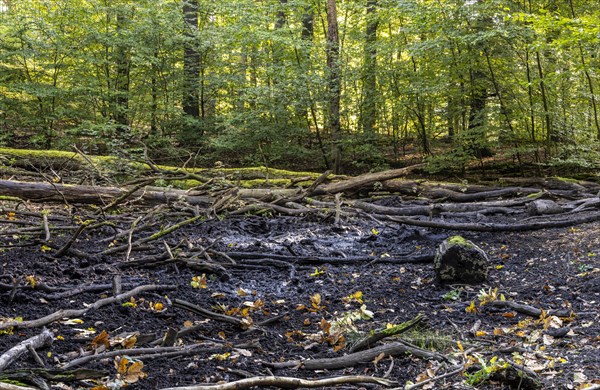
x: 241, y: 292
x: 480, y: 333
x: 317, y: 273
x: 471, y: 308
x: 460, y: 346
x: 499, y: 267
x: 315, y: 300
x: 129, y: 342
x: 135, y: 373
x: 375, y: 231
x: 31, y: 280
x: 220, y: 356
x: 199, y: 281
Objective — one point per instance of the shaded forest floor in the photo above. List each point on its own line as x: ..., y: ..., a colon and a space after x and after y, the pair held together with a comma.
x: 286, y: 304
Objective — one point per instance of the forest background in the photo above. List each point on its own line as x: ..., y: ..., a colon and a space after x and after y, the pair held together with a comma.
x: 346, y: 85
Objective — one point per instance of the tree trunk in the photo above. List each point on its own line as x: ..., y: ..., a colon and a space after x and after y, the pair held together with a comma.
x: 121, y: 113
x: 191, y: 60
x: 369, y: 105
x: 334, y: 85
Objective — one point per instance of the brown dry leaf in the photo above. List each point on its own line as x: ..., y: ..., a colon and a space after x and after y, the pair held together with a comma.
x: 188, y: 324
x: 241, y: 292
x: 306, y: 322
x: 121, y: 365
x: 378, y: 358
x: 135, y: 373
x: 510, y: 314
x: 325, y: 326
x: 101, y: 339
x: 129, y: 342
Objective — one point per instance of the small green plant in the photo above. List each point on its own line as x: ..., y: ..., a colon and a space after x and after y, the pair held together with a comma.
x: 486, y: 370
x: 453, y: 295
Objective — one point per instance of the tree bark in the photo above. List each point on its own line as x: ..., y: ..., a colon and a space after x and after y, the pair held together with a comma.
x: 334, y: 85
x: 191, y: 60
x: 369, y: 109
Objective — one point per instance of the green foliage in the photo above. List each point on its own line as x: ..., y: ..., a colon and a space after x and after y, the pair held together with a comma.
x: 485, y: 75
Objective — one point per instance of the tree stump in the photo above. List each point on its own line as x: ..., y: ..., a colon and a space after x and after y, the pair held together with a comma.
x: 543, y: 207
x: 460, y: 260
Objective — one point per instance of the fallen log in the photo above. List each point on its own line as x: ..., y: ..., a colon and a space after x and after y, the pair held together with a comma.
x: 38, y: 341
x: 356, y: 183
x: 495, y: 227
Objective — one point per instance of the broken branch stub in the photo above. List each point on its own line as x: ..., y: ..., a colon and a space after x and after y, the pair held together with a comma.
x: 460, y: 260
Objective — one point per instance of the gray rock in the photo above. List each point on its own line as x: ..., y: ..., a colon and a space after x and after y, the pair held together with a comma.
x: 460, y: 260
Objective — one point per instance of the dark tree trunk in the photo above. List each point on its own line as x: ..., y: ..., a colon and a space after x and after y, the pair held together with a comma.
x: 369, y: 109
x: 191, y: 60
x: 334, y: 85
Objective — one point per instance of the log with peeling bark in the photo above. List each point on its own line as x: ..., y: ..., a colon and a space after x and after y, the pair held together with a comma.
x: 38, y: 341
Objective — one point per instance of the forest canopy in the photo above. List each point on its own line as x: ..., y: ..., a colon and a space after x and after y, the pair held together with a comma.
x: 348, y: 85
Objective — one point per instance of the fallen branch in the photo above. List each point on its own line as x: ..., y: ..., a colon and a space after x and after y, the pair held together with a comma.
x: 288, y: 383
x: 156, y: 351
x: 352, y: 359
x: 210, y: 314
x: 68, y: 313
x: 530, y: 310
x: 435, y: 378
x: 41, y: 340
x: 371, y: 339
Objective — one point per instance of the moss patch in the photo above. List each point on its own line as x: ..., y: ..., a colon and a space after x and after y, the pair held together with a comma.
x: 461, y: 241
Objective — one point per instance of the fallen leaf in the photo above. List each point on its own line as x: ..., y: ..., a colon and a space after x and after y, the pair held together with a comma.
x: 100, y: 340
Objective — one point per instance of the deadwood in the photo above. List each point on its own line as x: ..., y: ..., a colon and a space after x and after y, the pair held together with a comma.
x: 497, y: 227
x: 365, y: 356
x: 69, y: 313
x: 41, y: 340
x: 288, y: 383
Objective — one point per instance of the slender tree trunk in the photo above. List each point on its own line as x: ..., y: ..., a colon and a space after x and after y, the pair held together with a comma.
x: 191, y: 60
x: 589, y: 80
x: 369, y: 105
x: 334, y: 85
x: 550, y: 136
x: 122, y: 80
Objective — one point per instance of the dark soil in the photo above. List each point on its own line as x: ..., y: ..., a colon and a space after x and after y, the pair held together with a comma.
x: 553, y: 269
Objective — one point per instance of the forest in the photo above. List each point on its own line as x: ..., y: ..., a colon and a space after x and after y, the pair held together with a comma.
x: 330, y: 194
x: 350, y: 86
